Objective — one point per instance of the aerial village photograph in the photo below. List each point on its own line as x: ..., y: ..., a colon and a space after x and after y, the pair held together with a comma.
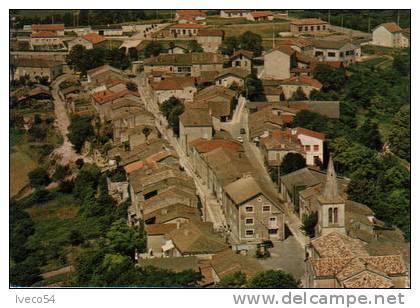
x: 191, y: 148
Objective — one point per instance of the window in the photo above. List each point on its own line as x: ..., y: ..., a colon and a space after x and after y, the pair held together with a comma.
x: 300, y: 29
x: 307, y: 148
x: 306, y: 28
x: 323, y: 27
x: 259, y: 199
x: 318, y: 28
x: 316, y: 147
x: 335, y: 215
x: 331, y: 54
x: 273, y: 219
x: 319, y: 53
x: 330, y: 215
x: 249, y: 233
x: 266, y: 208
x: 249, y: 209
x: 341, y: 54
x: 312, y: 28
x: 249, y: 221
x: 272, y: 231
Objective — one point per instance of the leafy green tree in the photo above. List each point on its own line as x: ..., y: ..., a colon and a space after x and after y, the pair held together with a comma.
x: 193, y: 46
x: 235, y: 280
x: 117, y: 57
x: 153, y: 49
x: 229, y: 45
x: 80, y: 130
x: 76, y: 237
x: 25, y: 274
x: 172, y: 108
x: 399, y: 136
x: 252, y: 42
x: 369, y: 135
x: 292, y: 162
x: 253, y: 88
x: 125, y: 239
x: 298, y: 95
x: 273, y: 279
x: 401, y: 63
x: 39, y: 177
x: 331, y: 78
x: 309, y: 223
x: 60, y: 172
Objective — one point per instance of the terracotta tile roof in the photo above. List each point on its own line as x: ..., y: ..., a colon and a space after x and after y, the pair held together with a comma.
x: 391, y: 27
x: 173, y: 83
x: 235, y: 71
x: 299, y: 42
x: 197, y: 238
x: 173, y: 195
x: 94, y: 38
x: 368, y: 280
x: 302, y: 80
x: 243, y: 52
x: 243, y: 189
x: 159, y: 229
x: 287, y: 118
x: 227, y: 262
x: 203, y: 145
x: 48, y: 27
x: 327, y: 267
x: 281, y: 140
x: 284, y: 49
x: 186, y: 59
x: 43, y: 34
x: 258, y: 14
x: 197, y: 117
x: 156, y: 157
x: 177, y: 210
x: 106, y: 96
x: 337, y: 245
x: 307, y: 132
x: 308, y: 21
x: 189, y: 26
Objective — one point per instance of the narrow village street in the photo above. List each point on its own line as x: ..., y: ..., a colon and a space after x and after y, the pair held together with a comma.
x: 212, y: 211
x: 66, y: 150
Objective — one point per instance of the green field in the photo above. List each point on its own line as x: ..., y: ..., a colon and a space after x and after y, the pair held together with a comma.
x: 21, y: 163
x: 266, y: 30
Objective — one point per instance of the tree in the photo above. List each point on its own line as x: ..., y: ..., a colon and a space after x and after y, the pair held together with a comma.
x: 153, y: 49
x: 399, y: 136
x: 253, y: 88
x: 76, y: 237
x: 117, y: 57
x: 25, y: 274
x: 234, y: 280
x: 39, y: 177
x: 60, y: 172
x: 298, y: 95
x: 229, y: 45
x: 331, y: 78
x: 251, y: 41
x: 401, y: 63
x: 193, y: 46
x: 80, y: 130
x: 172, y: 108
x: 125, y: 239
x: 309, y: 223
x: 273, y: 279
x: 133, y: 54
x: 369, y: 135
x: 292, y: 162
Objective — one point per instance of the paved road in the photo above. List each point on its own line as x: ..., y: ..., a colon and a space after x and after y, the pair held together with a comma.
x: 212, y: 209
x: 66, y: 150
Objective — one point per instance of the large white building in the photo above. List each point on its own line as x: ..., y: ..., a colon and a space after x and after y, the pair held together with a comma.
x: 390, y: 35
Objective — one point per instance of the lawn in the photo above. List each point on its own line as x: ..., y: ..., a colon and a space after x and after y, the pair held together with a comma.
x: 21, y: 163
x: 264, y: 29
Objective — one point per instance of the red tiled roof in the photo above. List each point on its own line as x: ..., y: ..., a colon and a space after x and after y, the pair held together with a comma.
x: 308, y: 132
x: 287, y: 118
x: 391, y: 27
x: 308, y: 21
x: 310, y: 81
x: 302, y: 80
x: 261, y: 14
x: 159, y: 229
x: 47, y: 27
x: 173, y: 83
x: 43, y: 34
x: 234, y: 11
x: 107, y: 96
x: 189, y: 26
x: 203, y: 145
x: 94, y: 38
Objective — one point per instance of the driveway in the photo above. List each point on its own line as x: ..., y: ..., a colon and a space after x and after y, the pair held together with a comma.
x: 287, y: 255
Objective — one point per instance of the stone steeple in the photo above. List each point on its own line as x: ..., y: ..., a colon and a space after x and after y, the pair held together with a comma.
x: 331, y: 193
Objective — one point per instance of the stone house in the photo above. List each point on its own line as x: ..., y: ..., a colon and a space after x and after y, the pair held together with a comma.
x: 210, y: 39
x: 89, y: 41
x: 190, y: 64
x: 103, y: 74
x: 234, y: 13
x: 390, y: 35
x: 290, y: 85
x: 261, y: 122
x: 231, y: 76
x: 104, y: 100
x: 336, y: 260
x: 252, y: 216
x: 277, y: 63
x: 36, y: 67
x: 193, y: 239
x: 177, y: 50
x: 46, y: 41
x: 309, y: 26
x: 343, y: 52
x: 156, y: 238
x: 109, y: 30
x: 260, y: 16
x: 194, y: 124
x: 242, y: 59
x: 183, y: 88
x: 190, y: 15
x: 185, y: 30
x: 312, y: 143
x: 176, y: 214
